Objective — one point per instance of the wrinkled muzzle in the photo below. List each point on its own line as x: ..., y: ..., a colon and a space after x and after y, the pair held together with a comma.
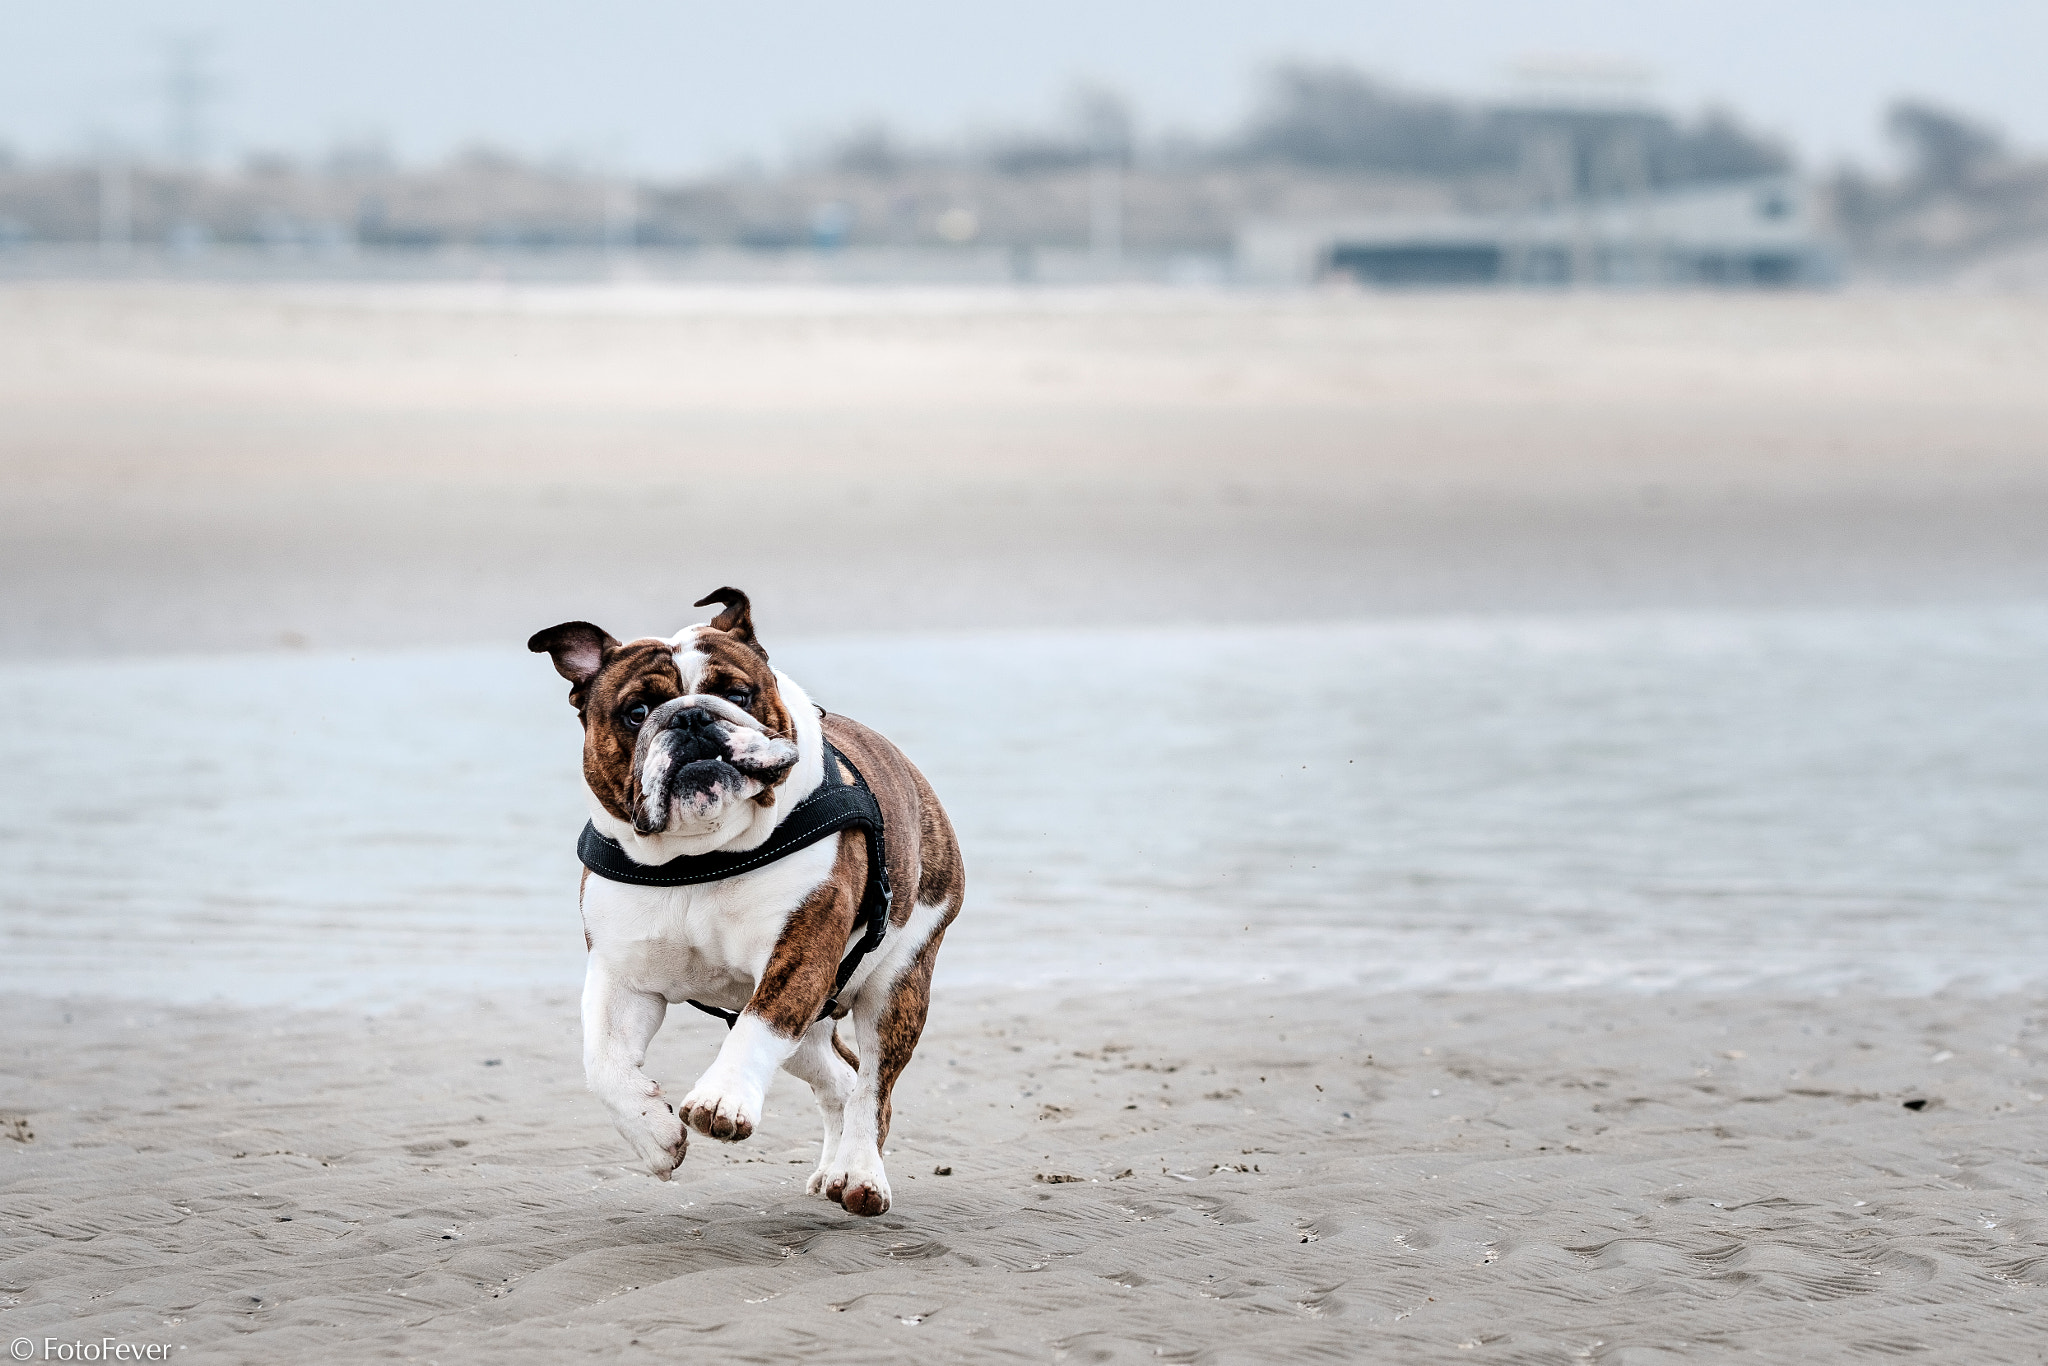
x: 695, y: 755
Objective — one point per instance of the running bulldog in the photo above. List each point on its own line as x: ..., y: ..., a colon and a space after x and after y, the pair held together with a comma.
x: 763, y: 861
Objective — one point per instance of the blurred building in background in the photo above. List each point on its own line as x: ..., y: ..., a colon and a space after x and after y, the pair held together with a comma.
x: 1332, y: 175
x: 1759, y: 233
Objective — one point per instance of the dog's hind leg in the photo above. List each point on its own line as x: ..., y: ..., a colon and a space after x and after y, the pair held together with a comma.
x: 818, y: 1062
x: 888, y: 1017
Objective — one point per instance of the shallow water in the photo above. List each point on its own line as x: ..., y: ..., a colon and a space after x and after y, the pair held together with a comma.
x: 1806, y: 801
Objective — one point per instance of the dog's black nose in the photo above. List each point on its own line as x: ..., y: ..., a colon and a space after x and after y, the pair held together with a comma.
x: 689, y: 718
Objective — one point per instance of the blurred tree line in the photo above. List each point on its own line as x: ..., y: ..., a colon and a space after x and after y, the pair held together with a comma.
x: 1319, y: 140
x: 1962, y: 194
x: 1335, y: 120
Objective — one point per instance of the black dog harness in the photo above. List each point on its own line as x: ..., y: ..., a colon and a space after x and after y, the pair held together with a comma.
x: 837, y: 805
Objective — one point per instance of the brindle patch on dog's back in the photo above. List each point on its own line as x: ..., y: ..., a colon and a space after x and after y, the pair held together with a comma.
x: 924, y: 854
x: 636, y: 673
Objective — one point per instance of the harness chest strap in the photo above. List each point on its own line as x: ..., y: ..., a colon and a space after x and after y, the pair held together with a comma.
x: 836, y: 805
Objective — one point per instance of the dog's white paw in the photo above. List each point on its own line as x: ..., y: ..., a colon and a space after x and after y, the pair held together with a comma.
x: 716, y: 1112
x: 656, y: 1133
x: 862, y: 1190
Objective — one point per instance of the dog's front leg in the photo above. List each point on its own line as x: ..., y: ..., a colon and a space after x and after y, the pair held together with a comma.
x: 791, y: 989
x: 618, y: 1024
x: 726, y: 1101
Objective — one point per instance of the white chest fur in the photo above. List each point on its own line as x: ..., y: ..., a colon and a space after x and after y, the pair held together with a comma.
x: 708, y: 942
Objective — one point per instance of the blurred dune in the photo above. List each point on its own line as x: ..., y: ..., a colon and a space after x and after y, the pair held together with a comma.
x: 211, y: 467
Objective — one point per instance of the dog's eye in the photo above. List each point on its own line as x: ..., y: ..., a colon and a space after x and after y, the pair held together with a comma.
x: 739, y: 698
x: 634, y: 715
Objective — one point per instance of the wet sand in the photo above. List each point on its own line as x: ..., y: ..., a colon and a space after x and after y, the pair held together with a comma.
x: 1242, y: 1176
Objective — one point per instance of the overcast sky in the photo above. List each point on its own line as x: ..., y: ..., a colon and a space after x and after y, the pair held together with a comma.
x: 673, y: 87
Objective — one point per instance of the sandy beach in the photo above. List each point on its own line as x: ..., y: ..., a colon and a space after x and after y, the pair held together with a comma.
x: 1240, y: 1176
x: 1634, y: 949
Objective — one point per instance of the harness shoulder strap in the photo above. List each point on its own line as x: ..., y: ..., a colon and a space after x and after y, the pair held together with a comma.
x: 833, y: 806
x: 842, y: 800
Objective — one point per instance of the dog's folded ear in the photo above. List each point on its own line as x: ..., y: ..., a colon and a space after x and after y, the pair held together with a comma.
x: 737, y: 620
x: 578, y: 649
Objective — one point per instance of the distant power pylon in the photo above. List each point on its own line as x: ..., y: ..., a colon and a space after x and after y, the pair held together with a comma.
x: 187, y: 90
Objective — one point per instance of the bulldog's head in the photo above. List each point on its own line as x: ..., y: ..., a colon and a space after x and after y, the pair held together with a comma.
x: 676, y: 733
